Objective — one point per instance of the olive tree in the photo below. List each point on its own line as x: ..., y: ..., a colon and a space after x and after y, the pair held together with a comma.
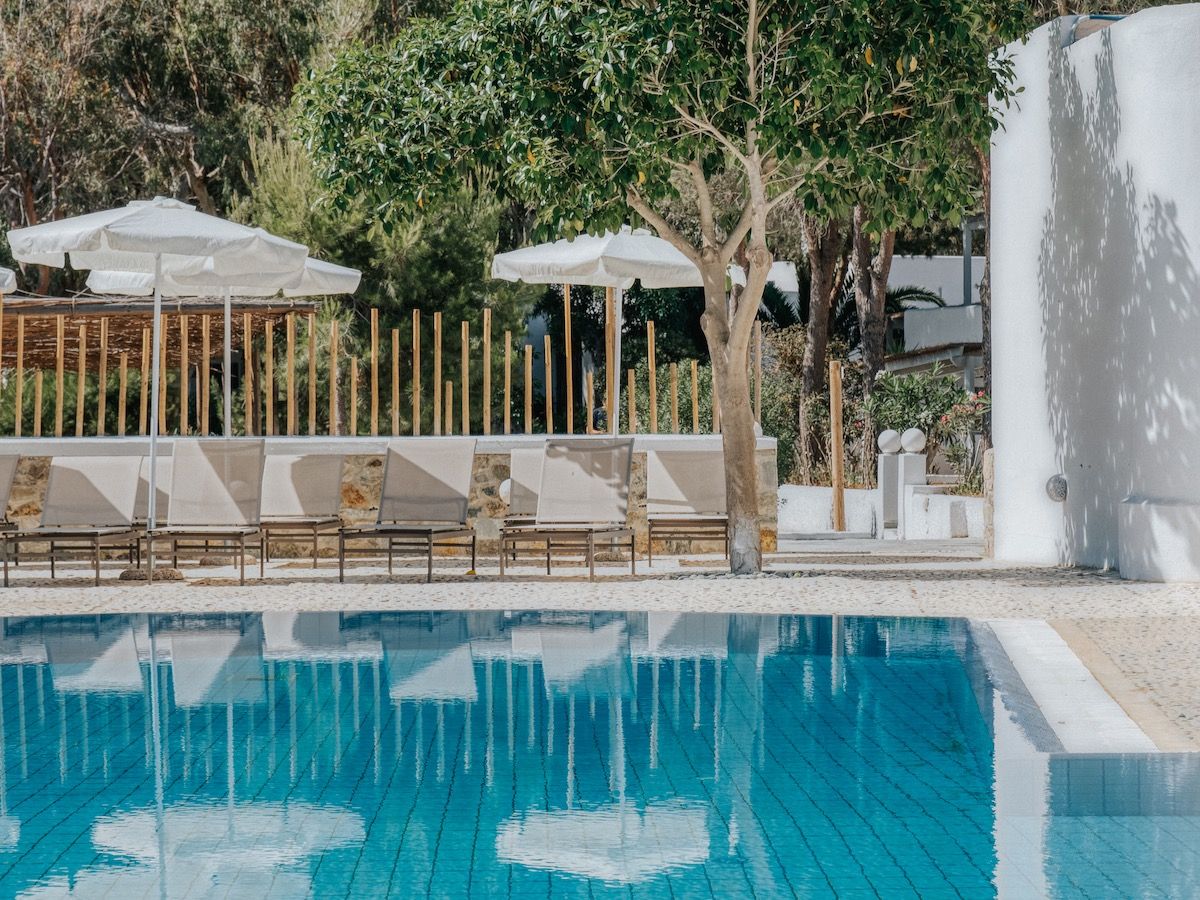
x: 591, y: 112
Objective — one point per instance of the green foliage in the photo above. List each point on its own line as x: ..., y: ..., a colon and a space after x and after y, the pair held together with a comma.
x: 936, y: 402
x: 569, y: 106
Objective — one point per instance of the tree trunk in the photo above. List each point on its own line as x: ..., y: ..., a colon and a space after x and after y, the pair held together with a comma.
x: 825, y: 244
x: 825, y: 241
x: 871, y: 269
x: 730, y: 355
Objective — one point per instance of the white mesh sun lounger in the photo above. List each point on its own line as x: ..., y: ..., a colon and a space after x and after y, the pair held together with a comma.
x: 301, y: 499
x: 216, y: 495
x: 89, y: 504
x: 583, y: 496
x: 685, y: 497
x: 423, y: 502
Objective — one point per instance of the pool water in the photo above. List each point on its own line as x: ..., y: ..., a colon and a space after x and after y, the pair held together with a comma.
x: 555, y: 755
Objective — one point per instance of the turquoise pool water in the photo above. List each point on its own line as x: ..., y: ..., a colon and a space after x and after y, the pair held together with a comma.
x: 555, y: 755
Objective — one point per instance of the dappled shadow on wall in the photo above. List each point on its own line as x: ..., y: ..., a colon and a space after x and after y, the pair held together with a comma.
x: 1118, y: 295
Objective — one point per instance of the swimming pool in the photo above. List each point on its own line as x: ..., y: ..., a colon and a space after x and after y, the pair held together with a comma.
x: 538, y: 755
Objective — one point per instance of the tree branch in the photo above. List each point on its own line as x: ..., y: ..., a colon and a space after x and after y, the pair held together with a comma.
x: 661, y: 225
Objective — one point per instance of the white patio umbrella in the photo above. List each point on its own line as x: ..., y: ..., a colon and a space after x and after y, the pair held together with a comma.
x: 8, y: 280
x: 160, y: 236
x: 317, y: 278
x: 612, y: 260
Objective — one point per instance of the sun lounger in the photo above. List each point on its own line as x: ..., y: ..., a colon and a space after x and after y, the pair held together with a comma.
x: 583, y: 498
x: 216, y: 495
x: 88, y: 505
x: 301, y: 498
x: 423, y: 504
x: 685, y: 497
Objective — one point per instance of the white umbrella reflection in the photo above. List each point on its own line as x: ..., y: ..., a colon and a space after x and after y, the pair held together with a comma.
x: 616, y: 842
x: 188, y: 845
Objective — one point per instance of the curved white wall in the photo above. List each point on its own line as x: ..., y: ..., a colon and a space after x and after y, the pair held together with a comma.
x: 1096, y: 290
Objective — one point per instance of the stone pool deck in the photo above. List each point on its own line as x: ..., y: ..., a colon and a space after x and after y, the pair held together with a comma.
x: 1139, y: 640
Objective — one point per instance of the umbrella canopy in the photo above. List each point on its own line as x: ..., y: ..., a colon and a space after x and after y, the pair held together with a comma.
x: 162, y: 231
x: 607, y: 260
x: 8, y: 280
x: 317, y: 278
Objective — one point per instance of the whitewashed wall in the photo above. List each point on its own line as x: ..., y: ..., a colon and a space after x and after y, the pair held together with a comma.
x: 1096, y: 316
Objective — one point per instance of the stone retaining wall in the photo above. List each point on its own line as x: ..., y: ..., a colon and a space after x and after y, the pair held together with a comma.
x: 362, y: 477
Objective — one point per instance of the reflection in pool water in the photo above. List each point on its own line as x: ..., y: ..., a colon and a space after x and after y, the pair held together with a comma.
x: 452, y: 754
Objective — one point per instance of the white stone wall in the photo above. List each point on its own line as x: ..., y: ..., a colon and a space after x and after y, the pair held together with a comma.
x: 1096, y: 289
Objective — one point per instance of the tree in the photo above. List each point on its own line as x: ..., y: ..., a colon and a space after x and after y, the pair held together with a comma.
x: 588, y: 110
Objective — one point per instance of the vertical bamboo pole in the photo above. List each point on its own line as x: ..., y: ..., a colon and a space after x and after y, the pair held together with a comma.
x: 448, y: 427
x: 102, y: 379
x: 122, y: 389
x: 508, y: 382
x: 837, y: 451
x: 437, y: 372
x: 19, y: 411
x: 269, y: 378
x: 589, y: 388
x: 758, y: 347
x: 416, y: 370
x: 631, y: 403
x: 291, y: 373
x: 60, y: 327
x: 143, y: 384
x: 487, y: 370
x: 675, y: 398
x: 183, y: 375
x: 466, y: 377
x: 37, y: 402
x: 548, y: 383
x: 205, y: 373
x: 529, y: 389
x: 333, y: 377
x: 354, y: 396
x: 374, y: 371
x: 570, y: 370
x: 653, y: 387
x: 716, y: 404
x: 395, y: 405
x: 695, y: 397
x: 80, y: 377
x: 610, y: 352
x: 312, y: 373
x: 248, y: 367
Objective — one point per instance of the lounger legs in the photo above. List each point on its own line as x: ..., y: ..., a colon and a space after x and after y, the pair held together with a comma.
x: 429, y: 564
x: 473, y: 553
x: 341, y: 558
x: 242, y: 562
x: 503, y: 553
x: 389, y: 556
x: 6, y: 552
x: 52, y: 560
x: 591, y: 555
x: 547, y: 556
x: 632, y: 554
x: 650, y: 546
x: 96, y: 559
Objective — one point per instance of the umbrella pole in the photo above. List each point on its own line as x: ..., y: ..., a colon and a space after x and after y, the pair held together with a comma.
x: 618, y: 321
x: 154, y: 380
x: 227, y: 365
